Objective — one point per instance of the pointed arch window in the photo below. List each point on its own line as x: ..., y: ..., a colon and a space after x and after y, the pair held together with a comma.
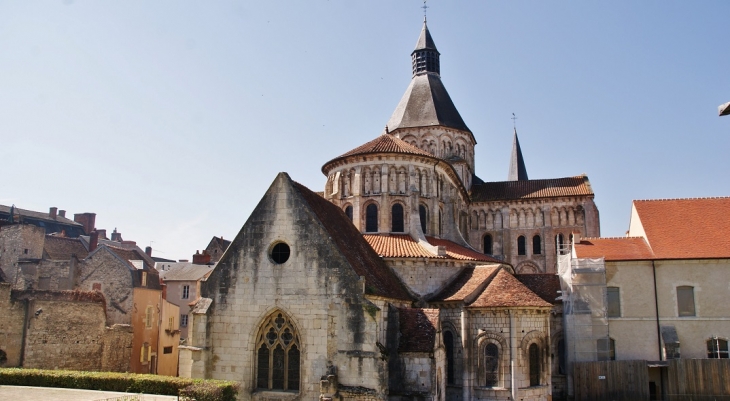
x: 371, y: 218
x: 536, y: 245
x: 277, y: 354
x: 423, y: 214
x: 488, y: 245
x: 521, y: 246
x: 396, y: 214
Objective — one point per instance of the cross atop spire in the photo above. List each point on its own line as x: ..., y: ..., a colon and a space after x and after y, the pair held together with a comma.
x: 424, y: 7
x: 517, y: 169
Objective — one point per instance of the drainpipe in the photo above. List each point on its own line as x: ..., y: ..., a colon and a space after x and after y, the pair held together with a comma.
x: 656, y: 308
x: 512, y: 351
x: 466, y: 360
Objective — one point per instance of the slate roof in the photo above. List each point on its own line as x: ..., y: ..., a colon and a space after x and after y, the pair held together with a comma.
x: 425, y: 41
x: 517, y: 169
x: 385, y: 143
x: 504, y: 291
x: 404, y: 246
x: 544, y: 285
x: 380, y: 280
x: 40, y: 216
x: 527, y: 189
x: 488, y: 286
x: 418, y: 327
x: 426, y: 103
x: 63, y: 248
x: 222, y: 243
x: 614, y: 249
x: 696, y: 228
x: 186, y: 272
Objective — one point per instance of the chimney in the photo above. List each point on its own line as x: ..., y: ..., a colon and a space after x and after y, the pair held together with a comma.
x: 102, y: 233
x: 87, y: 220
x: 201, y: 258
x: 62, y: 213
x: 93, y: 241
x: 116, y: 236
x: 129, y: 244
x: 52, y: 213
x: 148, y: 251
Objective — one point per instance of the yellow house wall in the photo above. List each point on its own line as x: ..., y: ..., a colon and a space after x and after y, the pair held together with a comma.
x: 635, y: 332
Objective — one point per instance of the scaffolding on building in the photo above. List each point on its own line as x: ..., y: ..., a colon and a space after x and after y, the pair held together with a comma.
x: 585, y: 318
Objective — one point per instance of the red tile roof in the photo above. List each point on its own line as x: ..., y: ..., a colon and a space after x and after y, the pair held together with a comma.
x: 526, y: 189
x: 418, y: 328
x: 404, y: 246
x: 622, y: 248
x: 62, y: 248
x: 546, y: 286
x: 686, y: 228
x: 504, y: 291
x: 466, y: 283
x: 385, y: 143
x: 379, y: 278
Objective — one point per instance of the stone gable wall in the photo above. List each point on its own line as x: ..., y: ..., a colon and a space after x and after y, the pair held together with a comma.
x: 115, y: 279
x: 315, y: 288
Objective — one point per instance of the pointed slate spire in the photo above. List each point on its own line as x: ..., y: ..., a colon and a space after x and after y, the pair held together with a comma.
x: 517, y: 170
x: 425, y: 57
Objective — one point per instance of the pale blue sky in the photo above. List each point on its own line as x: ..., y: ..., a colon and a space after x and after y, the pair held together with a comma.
x: 169, y: 119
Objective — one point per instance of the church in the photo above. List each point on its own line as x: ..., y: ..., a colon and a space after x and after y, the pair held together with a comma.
x: 407, y: 278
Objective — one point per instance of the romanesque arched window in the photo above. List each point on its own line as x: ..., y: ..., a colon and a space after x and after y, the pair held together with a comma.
x: 348, y: 212
x: 488, y: 245
x: 521, y: 246
x: 277, y: 354
x: 423, y: 214
x: 536, y: 245
x: 396, y: 215
x: 534, y: 354
x: 491, y: 365
x: 449, y: 345
x: 371, y: 218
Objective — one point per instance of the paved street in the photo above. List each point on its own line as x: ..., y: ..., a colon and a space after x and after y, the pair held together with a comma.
x: 18, y: 393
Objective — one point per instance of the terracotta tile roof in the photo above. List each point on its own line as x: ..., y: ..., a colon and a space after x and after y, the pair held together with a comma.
x: 546, y: 286
x: 397, y: 246
x: 622, y: 248
x: 526, y: 189
x: 404, y: 246
x: 62, y: 248
x: 466, y: 283
x: 380, y: 280
x: 456, y: 251
x: 385, y: 143
x: 504, y: 291
x: 686, y: 228
x: 418, y: 328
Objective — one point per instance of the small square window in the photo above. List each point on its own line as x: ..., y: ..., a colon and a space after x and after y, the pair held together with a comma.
x: 167, y: 350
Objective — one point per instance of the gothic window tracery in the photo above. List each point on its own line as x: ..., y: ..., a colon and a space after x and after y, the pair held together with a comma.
x: 278, y: 354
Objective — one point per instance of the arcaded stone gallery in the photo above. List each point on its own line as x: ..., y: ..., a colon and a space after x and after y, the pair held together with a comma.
x: 407, y: 278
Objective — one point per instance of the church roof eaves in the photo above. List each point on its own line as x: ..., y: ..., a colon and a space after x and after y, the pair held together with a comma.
x: 504, y: 290
x: 404, y: 246
x: 385, y: 143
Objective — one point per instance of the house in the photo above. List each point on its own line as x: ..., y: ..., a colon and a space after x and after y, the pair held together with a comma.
x: 183, y: 281
x: 662, y: 288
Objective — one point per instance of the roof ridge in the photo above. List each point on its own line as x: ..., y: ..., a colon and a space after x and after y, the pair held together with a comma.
x: 627, y: 237
x: 540, y: 179
x: 675, y: 199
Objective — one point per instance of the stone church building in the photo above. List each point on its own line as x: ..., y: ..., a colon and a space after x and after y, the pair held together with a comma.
x: 408, y: 278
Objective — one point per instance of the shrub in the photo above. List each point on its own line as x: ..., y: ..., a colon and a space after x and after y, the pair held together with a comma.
x: 201, y: 390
